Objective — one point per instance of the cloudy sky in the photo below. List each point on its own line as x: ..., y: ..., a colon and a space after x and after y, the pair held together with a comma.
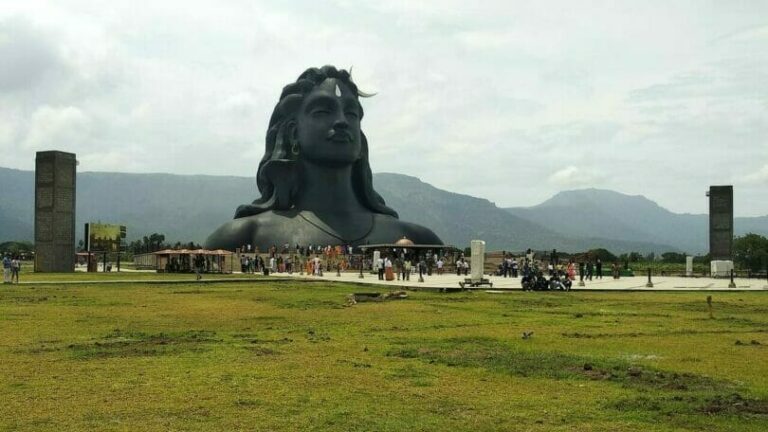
x: 509, y: 101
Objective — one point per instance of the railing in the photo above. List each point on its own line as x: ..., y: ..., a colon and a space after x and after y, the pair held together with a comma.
x: 745, y: 274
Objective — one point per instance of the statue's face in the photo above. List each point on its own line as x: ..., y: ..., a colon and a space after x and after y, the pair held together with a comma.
x: 328, y: 124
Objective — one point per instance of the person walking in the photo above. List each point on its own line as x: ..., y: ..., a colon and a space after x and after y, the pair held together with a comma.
x: 589, y: 270
x: 599, y: 268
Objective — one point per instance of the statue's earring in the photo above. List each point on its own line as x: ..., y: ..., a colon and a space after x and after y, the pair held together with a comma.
x: 294, y: 139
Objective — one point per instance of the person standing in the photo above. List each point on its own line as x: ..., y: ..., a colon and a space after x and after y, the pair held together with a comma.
x: 599, y: 268
x: 590, y: 268
x: 317, y: 266
x: 399, y: 267
x: 440, y: 264
x: 15, y: 268
x: 407, y: 269
x: 380, y: 268
x: 199, y: 264
x: 6, y: 269
x: 389, y: 275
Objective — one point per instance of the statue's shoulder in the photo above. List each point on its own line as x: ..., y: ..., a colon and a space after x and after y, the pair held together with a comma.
x: 260, y: 229
x: 394, y: 228
x: 233, y: 234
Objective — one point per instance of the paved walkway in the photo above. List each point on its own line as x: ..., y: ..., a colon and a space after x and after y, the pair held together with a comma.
x: 443, y: 282
x: 501, y: 284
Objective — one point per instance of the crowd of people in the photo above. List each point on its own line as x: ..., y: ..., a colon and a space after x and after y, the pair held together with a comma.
x: 536, y: 275
x: 388, y: 264
x: 401, y: 264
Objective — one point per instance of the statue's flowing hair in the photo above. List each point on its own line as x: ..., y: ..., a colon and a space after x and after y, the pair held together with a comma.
x: 279, y: 176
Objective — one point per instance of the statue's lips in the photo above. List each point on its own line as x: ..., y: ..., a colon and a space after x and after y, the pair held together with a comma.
x: 340, y: 138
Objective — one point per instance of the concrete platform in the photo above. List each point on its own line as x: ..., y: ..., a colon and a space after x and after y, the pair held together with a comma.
x: 637, y: 283
x: 443, y: 283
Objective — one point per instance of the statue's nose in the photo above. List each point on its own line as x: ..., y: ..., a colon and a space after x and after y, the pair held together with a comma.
x: 341, y: 123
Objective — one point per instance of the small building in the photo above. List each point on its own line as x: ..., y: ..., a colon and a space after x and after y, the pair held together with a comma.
x: 182, y: 260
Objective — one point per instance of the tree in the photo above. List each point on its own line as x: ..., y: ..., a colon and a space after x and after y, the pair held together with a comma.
x: 702, y: 259
x: 16, y: 248
x: 156, y: 242
x: 136, y: 247
x: 673, y: 257
x: 603, y: 254
x: 751, y: 252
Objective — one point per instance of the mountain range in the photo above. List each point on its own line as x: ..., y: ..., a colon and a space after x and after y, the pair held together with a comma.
x: 189, y: 207
x: 605, y: 213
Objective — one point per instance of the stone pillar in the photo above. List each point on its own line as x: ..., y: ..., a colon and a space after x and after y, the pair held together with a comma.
x: 55, y: 185
x: 376, y: 256
x: 478, y: 259
x: 721, y: 222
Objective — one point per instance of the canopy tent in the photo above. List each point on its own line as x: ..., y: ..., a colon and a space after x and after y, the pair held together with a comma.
x: 406, y: 245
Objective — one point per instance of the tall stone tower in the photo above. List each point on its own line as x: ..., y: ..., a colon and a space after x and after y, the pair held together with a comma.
x: 721, y: 222
x: 55, y: 181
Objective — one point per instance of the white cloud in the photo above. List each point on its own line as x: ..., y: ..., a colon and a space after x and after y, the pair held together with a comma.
x: 52, y: 127
x: 484, y: 98
x: 573, y: 177
x: 758, y: 177
x: 753, y: 34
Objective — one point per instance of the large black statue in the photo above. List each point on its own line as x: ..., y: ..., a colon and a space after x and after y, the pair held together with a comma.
x: 315, y: 181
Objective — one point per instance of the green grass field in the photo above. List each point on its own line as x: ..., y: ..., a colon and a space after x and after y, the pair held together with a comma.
x: 290, y: 356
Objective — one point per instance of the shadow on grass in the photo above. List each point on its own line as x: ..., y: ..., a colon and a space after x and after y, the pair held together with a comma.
x: 682, y: 332
x: 130, y: 344
x: 657, y: 390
